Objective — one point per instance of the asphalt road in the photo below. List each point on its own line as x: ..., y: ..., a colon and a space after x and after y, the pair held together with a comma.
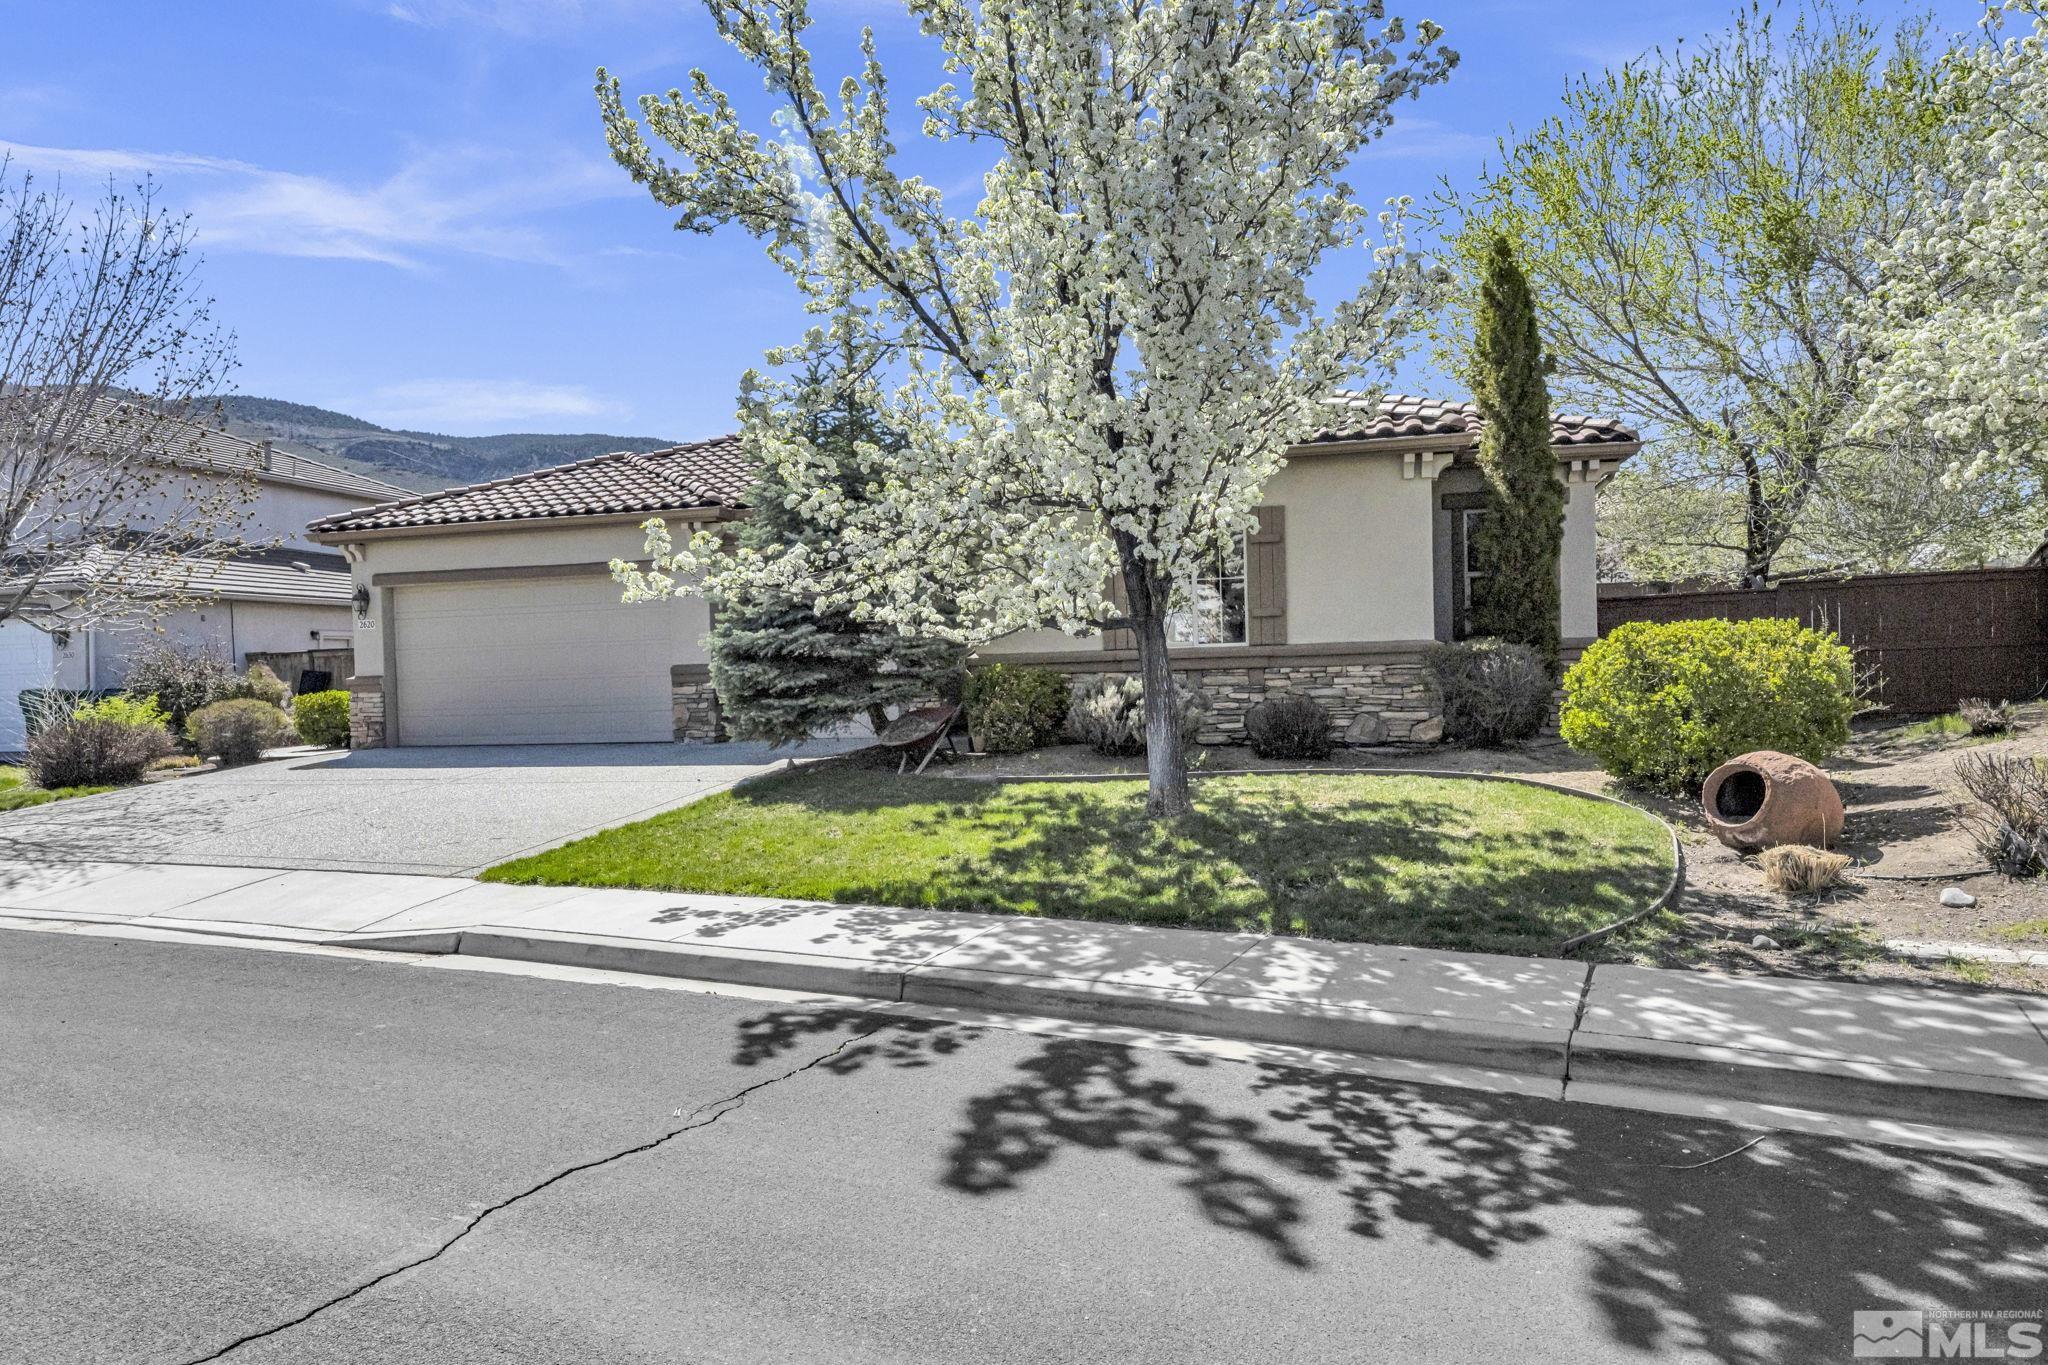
x: 330, y: 1160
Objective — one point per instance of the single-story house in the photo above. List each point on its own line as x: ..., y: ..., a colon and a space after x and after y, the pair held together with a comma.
x: 489, y: 615
x: 285, y: 596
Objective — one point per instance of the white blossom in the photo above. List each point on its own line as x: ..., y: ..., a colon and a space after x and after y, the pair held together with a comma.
x: 1960, y: 321
x: 1096, y: 371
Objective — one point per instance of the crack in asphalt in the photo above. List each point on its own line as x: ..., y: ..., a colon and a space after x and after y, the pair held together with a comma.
x: 703, y: 1116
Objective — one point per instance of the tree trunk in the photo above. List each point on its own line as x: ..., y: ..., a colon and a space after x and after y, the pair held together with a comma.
x: 1166, y: 760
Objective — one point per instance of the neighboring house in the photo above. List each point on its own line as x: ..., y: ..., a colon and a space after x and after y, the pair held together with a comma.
x: 285, y: 595
x: 492, y: 616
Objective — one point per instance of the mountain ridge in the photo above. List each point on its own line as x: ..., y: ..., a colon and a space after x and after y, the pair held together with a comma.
x: 417, y: 460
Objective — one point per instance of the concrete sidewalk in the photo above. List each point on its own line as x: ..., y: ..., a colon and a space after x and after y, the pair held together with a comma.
x: 1915, y: 1058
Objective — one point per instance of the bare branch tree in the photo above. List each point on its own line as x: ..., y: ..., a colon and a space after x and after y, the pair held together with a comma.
x: 114, y: 506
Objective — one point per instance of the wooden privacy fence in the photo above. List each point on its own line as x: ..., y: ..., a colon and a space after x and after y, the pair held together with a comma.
x: 1931, y: 639
x: 289, y: 665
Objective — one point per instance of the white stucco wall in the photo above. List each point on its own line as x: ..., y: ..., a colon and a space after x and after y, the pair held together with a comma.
x: 1578, y: 565
x: 687, y: 620
x: 1358, y: 556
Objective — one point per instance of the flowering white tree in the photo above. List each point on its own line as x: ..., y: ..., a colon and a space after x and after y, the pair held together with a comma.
x: 1096, y: 372
x: 1960, y: 321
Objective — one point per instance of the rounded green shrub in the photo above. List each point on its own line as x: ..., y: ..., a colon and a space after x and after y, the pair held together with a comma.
x: 258, y: 683
x: 1490, y: 691
x: 321, y: 717
x: 238, y: 730
x: 1289, y: 725
x: 1013, y: 708
x: 1662, y: 704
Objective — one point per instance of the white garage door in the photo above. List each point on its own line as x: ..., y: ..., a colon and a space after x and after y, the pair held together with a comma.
x: 26, y: 660
x: 532, y: 661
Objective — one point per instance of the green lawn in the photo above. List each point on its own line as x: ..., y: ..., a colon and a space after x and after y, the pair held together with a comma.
x: 15, y: 792
x: 1440, y: 862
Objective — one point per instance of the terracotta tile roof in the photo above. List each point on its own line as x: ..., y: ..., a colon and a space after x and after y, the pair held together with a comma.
x: 1360, y: 417
x: 714, y: 474
x: 709, y: 473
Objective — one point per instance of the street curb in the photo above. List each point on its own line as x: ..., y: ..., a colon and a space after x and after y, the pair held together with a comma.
x: 1531, y: 1050
x: 1570, y: 1056
x: 1993, y: 1104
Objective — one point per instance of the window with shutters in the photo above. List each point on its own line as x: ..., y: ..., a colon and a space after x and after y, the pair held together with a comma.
x: 1209, y: 608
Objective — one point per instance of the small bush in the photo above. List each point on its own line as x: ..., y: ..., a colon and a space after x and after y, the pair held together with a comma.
x: 258, y: 684
x: 1289, y: 726
x: 94, y: 752
x: 1491, y: 691
x: 126, y: 709
x: 1110, y: 716
x: 321, y: 717
x: 1985, y: 717
x: 2010, y: 820
x: 1662, y: 704
x: 182, y: 680
x: 1798, y: 870
x: 1013, y: 708
x: 238, y: 730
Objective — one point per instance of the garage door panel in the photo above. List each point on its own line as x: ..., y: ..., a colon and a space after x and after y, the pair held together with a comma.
x: 535, y: 661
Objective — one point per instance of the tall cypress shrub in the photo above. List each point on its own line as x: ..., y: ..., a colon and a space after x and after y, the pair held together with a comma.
x: 784, y: 670
x: 1518, y: 542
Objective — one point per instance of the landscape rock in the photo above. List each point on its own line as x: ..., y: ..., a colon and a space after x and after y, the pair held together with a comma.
x: 1763, y: 941
x: 1956, y: 898
x: 1365, y: 728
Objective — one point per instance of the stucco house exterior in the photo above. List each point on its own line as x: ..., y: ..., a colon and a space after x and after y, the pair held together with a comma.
x: 489, y: 615
x: 286, y: 594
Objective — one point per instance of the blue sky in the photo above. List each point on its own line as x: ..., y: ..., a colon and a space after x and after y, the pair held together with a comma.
x: 408, y: 212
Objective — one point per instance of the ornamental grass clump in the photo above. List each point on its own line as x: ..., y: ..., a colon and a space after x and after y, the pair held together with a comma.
x: 2009, y: 822
x: 92, y: 750
x: 1798, y: 870
x: 1110, y: 716
x: 1984, y: 716
x: 1662, y: 704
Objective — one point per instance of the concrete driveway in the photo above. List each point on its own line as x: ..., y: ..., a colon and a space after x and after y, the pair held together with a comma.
x: 433, y: 810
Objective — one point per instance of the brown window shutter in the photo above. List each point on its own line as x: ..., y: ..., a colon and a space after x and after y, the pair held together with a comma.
x: 1121, y: 600
x: 1265, y: 574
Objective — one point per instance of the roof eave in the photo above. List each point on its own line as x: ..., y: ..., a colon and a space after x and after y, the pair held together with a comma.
x: 1563, y: 452
x: 713, y: 512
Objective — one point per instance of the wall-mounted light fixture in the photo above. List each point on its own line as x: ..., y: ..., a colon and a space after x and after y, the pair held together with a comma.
x: 362, y: 601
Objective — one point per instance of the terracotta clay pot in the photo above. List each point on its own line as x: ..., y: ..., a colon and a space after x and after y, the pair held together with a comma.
x: 1765, y: 799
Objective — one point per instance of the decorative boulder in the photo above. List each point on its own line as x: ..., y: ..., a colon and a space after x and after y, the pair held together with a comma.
x: 1765, y: 799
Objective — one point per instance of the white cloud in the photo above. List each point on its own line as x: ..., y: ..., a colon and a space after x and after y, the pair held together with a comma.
x: 522, y: 17
x: 465, y: 200
x: 1421, y: 138
x: 479, y: 405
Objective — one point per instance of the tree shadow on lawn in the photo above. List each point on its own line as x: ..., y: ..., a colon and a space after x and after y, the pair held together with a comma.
x: 1753, y: 1260
x: 1396, y: 868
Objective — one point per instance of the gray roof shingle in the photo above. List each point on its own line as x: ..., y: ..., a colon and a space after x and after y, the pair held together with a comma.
x: 699, y: 474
